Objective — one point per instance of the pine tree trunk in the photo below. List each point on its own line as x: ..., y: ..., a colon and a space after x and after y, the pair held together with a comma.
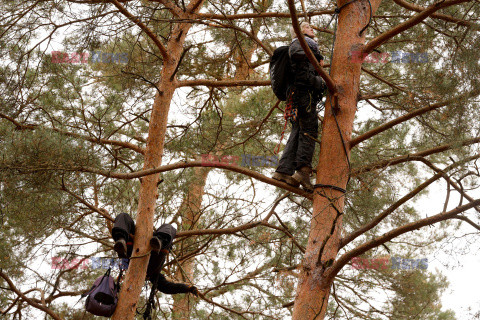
x: 137, y: 270
x: 190, y: 206
x: 314, y: 284
x: 190, y: 211
x: 182, y: 304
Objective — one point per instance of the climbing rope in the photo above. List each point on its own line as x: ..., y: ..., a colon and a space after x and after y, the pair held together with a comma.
x: 142, y: 311
x: 289, y: 113
x: 319, y: 185
x: 341, y: 137
x: 146, y: 313
x: 141, y: 255
x: 338, y: 9
x: 369, y: 19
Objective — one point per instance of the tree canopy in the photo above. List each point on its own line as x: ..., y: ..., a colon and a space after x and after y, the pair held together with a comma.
x: 163, y: 109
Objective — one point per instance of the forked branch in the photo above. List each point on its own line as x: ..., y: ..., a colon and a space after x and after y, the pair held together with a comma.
x: 145, y: 29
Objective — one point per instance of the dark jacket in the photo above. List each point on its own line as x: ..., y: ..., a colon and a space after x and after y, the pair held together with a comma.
x: 305, y: 74
x: 165, y: 286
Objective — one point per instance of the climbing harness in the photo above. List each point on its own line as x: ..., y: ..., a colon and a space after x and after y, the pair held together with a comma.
x: 146, y: 310
x: 151, y: 298
x: 150, y: 304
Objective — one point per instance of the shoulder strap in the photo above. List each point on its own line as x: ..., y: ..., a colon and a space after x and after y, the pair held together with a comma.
x: 119, y: 278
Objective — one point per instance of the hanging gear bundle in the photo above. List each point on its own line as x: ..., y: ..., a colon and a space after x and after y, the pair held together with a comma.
x: 291, y: 112
x: 151, y: 301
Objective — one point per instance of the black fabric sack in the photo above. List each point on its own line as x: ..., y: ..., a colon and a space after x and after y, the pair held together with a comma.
x: 103, y: 296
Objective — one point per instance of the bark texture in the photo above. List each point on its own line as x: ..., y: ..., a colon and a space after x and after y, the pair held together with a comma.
x: 137, y: 270
x: 333, y: 168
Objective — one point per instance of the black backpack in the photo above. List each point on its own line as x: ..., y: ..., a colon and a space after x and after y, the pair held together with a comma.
x: 102, y: 298
x: 281, y: 73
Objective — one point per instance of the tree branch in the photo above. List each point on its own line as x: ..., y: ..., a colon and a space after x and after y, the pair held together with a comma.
x: 376, y: 96
x: 173, y: 8
x: 169, y: 167
x: 409, y: 116
x: 450, y: 181
x: 332, y: 271
x: 14, y: 302
x: 258, y: 128
x: 246, y: 226
x: 101, y: 211
x: 123, y: 144
x: 414, y: 7
x: 201, y: 295
x: 223, y: 83
x: 260, y: 15
x: 376, y: 76
x: 413, y: 156
x: 476, y: 226
x: 28, y: 300
x: 248, y: 33
x: 370, y: 225
x: 145, y: 29
x: 416, y: 19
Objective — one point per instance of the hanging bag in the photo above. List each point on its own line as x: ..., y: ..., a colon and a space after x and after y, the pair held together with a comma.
x: 103, y: 296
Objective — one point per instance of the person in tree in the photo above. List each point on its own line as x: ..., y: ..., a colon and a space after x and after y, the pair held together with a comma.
x: 304, y: 93
x: 161, y: 244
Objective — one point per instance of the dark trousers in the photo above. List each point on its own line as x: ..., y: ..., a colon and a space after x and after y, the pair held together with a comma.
x: 299, y: 150
x: 124, y: 226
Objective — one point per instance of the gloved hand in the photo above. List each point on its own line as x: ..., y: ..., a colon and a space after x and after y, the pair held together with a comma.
x: 193, y: 290
x: 319, y: 84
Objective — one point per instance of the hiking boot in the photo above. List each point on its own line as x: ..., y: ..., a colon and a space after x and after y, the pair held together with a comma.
x: 303, y: 176
x: 120, y: 248
x: 285, y: 178
x: 156, y: 244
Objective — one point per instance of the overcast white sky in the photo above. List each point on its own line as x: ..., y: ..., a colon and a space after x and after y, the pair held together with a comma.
x: 462, y: 271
